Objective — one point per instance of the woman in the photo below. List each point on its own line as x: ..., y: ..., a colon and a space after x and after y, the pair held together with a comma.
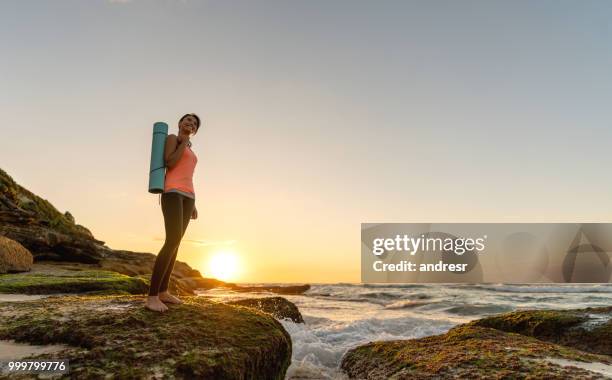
x: 178, y: 207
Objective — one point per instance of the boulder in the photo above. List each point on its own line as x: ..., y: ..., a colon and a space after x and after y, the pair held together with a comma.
x: 14, y: 257
x: 69, y: 216
x: 46, y: 243
x: 471, y: 352
x: 587, y: 329
x: 116, y: 337
x: 278, y: 307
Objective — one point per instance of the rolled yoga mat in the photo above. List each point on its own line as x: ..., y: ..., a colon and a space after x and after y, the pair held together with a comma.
x: 157, y: 172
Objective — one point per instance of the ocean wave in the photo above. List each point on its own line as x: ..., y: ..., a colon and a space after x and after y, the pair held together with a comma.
x: 389, y: 295
x: 359, y: 300
x: 532, y: 288
x: 400, y: 286
x: 342, y: 316
x: 314, y: 320
x: 324, y: 345
x: 309, y: 368
x: 378, y: 299
x: 477, y: 309
x: 386, y: 295
x: 407, y: 304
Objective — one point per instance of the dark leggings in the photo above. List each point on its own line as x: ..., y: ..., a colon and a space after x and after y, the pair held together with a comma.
x: 177, y: 210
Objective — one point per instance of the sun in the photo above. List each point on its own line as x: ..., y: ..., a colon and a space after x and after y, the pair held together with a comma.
x: 223, y: 265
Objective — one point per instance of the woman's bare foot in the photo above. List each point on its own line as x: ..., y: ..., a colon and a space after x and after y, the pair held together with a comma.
x: 154, y: 303
x: 167, y: 297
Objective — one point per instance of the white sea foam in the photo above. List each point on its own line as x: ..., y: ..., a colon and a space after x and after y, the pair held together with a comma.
x: 319, y: 348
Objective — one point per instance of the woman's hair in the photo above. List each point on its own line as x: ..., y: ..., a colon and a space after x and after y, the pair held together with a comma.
x: 196, y: 117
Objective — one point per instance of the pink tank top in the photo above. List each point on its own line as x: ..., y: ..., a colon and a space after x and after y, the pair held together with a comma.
x: 180, y: 177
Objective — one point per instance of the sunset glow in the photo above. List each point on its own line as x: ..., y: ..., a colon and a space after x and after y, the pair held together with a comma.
x: 224, y: 266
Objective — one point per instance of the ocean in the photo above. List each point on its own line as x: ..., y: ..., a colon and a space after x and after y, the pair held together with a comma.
x: 339, y: 317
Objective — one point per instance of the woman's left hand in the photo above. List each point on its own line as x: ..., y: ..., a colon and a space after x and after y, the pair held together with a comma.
x: 194, y: 213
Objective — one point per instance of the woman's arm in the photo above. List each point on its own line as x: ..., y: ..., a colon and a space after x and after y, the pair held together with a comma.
x: 173, y: 150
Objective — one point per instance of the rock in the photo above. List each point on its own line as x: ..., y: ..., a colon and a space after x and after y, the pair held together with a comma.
x: 130, y: 276
x: 42, y: 229
x: 468, y: 352
x: 585, y: 329
x: 83, y: 230
x: 50, y: 279
x: 296, y: 289
x: 278, y: 307
x: 14, y: 257
x: 184, y: 280
x: 116, y: 337
x: 19, y: 206
x: 48, y: 244
x: 69, y: 216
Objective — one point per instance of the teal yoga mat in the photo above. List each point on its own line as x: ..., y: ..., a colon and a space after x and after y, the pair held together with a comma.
x: 157, y: 172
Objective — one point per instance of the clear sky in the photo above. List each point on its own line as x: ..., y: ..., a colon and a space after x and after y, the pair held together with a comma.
x: 318, y: 116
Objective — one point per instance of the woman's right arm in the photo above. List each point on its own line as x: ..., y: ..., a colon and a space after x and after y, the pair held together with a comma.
x: 173, y: 150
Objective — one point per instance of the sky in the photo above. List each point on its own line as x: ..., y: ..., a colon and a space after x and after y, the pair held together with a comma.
x: 317, y: 116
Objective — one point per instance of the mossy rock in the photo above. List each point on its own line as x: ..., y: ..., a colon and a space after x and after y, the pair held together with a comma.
x: 278, y: 289
x: 14, y: 257
x: 587, y: 329
x: 71, y: 281
x: 30, y: 202
x: 467, y: 352
x: 116, y: 337
x: 278, y: 307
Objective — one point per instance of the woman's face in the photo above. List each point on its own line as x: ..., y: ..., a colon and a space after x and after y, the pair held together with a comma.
x: 187, y: 126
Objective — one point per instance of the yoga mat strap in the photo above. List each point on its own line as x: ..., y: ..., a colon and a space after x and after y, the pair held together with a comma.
x: 161, y: 167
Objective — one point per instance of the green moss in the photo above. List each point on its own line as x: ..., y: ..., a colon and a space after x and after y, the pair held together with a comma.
x: 42, y: 208
x: 533, y: 322
x: 67, y: 281
x: 587, y: 329
x: 466, y: 351
x: 117, y: 335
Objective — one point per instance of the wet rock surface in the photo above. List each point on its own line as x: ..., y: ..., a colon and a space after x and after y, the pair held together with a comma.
x: 116, y: 336
x: 54, y: 278
x: 278, y: 307
x: 532, y: 344
x: 469, y: 352
x: 585, y: 329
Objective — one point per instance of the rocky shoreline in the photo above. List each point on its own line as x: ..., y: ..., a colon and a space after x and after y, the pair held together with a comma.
x: 95, y: 314
x: 107, y: 331
x: 115, y: 336
x: 32, y: 230
x: 92, y: 313
x: 532, y: 344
